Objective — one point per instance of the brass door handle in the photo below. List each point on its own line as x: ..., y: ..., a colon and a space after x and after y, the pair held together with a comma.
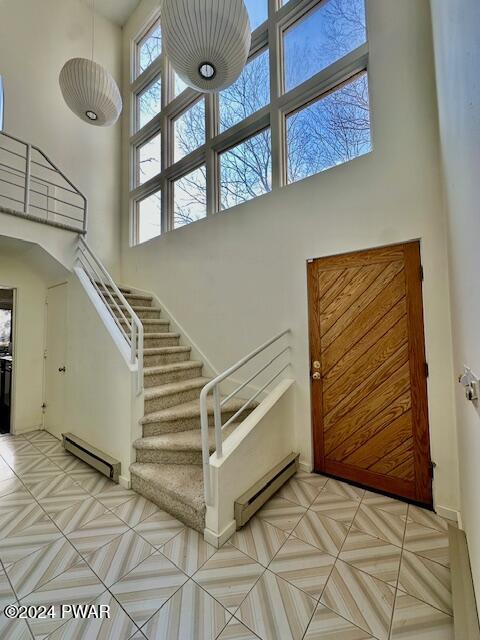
x: 62, y: 369
x: 316, y: 376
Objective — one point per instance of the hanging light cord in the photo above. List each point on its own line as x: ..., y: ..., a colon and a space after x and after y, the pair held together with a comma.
x: 93, y: 27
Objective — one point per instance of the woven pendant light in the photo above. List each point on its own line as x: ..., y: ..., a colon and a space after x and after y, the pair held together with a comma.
x: 90, y: 90
x: 207, y: 41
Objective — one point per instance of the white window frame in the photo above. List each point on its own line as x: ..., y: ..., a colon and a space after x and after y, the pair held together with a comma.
x: 267, y: 36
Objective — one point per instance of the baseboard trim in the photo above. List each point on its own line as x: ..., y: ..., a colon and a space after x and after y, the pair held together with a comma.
x: 305, y: 466
x: 217, y: 540
x: 465, y: 614
x: 124, y: 482
x: 448, y: 513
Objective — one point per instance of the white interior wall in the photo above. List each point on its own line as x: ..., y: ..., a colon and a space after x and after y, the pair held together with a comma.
x: 456, y: 28
x: 237, y: 278
x: 99, y: 398
x: 36, y: 39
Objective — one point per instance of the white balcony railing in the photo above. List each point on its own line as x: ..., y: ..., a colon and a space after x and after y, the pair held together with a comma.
x: 33, y: 187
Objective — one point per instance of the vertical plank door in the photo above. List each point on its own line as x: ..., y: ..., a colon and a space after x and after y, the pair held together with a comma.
x: 368, y: 370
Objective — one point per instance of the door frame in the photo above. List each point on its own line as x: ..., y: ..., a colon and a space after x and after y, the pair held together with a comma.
x: 13, y: 397
x: 417, y: 361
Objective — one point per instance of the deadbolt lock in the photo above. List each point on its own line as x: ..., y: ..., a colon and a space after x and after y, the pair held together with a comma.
x: 316, y: 364
x: 316, y: 376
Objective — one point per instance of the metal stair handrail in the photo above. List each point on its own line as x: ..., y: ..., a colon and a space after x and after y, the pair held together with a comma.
x: 213, y: 386
x: 122, y: 313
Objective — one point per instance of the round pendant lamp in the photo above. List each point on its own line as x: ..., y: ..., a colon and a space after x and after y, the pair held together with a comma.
x: 90, y: 92
x: 89, y: 89
x: 207, y: 41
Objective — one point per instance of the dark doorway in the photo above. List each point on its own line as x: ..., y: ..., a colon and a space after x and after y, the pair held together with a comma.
x: 6, y: 357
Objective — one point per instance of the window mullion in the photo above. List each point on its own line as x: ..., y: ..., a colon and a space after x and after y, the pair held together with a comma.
x: 276, y: 118
x: 211, y: 119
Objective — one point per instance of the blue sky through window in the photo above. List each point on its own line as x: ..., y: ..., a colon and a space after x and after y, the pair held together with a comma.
x: 258, y: 12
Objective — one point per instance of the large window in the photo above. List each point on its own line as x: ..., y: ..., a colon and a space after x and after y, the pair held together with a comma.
x: 299, y: 107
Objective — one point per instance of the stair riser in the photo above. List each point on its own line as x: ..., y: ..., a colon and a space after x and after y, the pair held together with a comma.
x: 135, y: 301
x: 187, y: 514
x: 157, y: 456
x: 164, y: 402
x: 186, y: 424
x: 152, y: 343
x: 146, y: 314
x: 172, y: 376
x: 163, y: 327
x: 166, y: 358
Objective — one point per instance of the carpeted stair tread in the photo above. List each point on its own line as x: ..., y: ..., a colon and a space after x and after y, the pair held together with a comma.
x: 175, y: 387
x: 182, y: 440
x: 182, y: 482
x: 160, y: 351
x: 191, y: 410
x: 148, y: 321
x: 156, y: 335
x: 174, y: 366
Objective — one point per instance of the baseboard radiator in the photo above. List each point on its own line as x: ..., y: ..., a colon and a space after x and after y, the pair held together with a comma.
x: 97, y: 459
x: 253, y: 499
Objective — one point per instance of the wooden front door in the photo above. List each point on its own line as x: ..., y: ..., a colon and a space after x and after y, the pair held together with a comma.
x: 368, y: 370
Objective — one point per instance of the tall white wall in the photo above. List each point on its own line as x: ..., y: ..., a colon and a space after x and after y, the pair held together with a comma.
x: 36, y: 39
x: 237, y: 278
x: 456, y: 28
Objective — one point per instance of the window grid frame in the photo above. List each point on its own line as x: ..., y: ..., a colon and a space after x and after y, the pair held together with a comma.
x: 268, y: 36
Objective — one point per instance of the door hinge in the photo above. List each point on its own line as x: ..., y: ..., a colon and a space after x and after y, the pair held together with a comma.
x: 421, y: 273
x: 427, y: 370
x: 44, y: 406
x: 432, y: 468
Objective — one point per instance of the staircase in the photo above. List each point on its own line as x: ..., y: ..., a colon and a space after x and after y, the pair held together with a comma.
x: 168, y: 467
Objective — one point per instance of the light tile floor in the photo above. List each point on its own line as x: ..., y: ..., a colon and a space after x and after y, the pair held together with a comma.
x: 322, y: 560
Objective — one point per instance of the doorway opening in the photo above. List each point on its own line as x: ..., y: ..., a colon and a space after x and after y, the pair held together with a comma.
x: 7, y: 298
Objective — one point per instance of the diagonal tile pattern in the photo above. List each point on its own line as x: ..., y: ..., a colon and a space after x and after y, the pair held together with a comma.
x: 426, y: 580
x: 159, y: 528
x: 276, y: 610
x: 415, y: 620
x: 228, y: 576
x: 147, y: 587
x: 281, y: 513
x: 380, y: 524
x: 259, y: 539
x: 188, y: 550
x: 361, y: 599
x: 384, y: 503
x: 322, y: 532
x: 235, y: 630
x: 427, y: 518
x: 115, y: 559
x: 302, y: 493
x: 335, y: 506
x: 190, y: 613
x: 376, y: 557
x: 134, y: 511
x: 43, y: 565
x: 426, y: 542
x: 118, y: 625
x: 306, y: 567
x: 96, y: 533
x: 328, y: 625
x: 69, y: 535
